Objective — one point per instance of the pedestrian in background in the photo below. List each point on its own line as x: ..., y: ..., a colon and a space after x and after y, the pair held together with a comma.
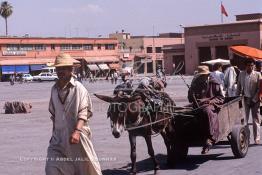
x: 115, y: 77
x: 219, y: 75
x: 12, y: 79
x: 258, y: 69
x: 70, y: 150
x: 230, y: 80
x: 248, y: 86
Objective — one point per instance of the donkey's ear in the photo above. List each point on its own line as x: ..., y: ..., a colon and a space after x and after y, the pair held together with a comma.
x: 105, y: 98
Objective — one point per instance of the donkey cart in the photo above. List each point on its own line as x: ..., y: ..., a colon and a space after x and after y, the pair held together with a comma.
x: 189, y: 129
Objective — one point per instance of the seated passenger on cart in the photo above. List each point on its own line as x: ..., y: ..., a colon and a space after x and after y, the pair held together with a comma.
x: 206, y: 94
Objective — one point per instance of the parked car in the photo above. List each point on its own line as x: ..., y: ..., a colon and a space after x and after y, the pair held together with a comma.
x: 45, y: 77
x: 23, y: 77
x: 27, y: 77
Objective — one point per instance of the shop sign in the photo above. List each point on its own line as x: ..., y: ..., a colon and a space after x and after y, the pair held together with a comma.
x: 13, y: 53
x: 221, y: 36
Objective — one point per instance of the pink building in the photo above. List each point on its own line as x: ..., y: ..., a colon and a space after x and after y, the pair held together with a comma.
x: 174, y: 56
x: 206, y: 42
x: 144, y: 53
x: 29, y: 54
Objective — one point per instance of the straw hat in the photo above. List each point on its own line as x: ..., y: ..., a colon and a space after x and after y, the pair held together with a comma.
x: 202, y: 70
x: 63, y: 60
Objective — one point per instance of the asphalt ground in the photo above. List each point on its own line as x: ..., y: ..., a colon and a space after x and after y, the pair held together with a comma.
x: 25, y: 137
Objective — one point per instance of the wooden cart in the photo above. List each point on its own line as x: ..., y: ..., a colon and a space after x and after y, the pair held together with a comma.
x: 188, y: 129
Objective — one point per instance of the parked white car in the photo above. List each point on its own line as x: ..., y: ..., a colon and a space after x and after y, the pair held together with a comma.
x: 27, y: 77
x: 45, y: 77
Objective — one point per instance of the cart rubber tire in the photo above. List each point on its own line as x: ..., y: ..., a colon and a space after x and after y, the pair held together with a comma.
x: 239, y: 141
x: 180, y: 151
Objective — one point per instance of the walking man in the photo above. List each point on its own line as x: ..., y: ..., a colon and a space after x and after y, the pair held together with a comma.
x: 248, y: 86
x: 230, y: 79
x: 70, y: 151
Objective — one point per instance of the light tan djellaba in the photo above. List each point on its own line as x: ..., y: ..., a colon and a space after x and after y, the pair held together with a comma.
x: 64, y: 158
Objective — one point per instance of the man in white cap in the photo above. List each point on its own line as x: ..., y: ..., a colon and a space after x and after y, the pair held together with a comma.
x: 70, y: 151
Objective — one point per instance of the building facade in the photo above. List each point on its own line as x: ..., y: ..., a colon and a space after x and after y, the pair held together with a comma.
x: 203, y: 43
x: 206, y: 42
x: 27, y: 54
x: 174, y: 56
x: 144, y: 53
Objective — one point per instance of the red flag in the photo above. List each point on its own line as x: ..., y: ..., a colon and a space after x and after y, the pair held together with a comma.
x: 223, y: 10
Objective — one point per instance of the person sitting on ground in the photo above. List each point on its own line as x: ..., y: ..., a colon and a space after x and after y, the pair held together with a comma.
x: 206, y: 94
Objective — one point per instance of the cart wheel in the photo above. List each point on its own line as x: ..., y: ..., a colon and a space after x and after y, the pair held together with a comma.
x: 239, y: 141
x: 180, y: 151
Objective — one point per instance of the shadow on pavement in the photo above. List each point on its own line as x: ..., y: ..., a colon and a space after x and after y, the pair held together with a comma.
x: 115, y: 172
x: 192, y: 162
x: 141, y: 166
x: 254, y: 145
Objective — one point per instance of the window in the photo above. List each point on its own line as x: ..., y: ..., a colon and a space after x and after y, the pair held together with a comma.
x: 99, y: 46
x: 65, y: 47
x: 40, y: 47
x: 12, y: 47
x: 204, y: 54
x: 150, y: 67
x: 88, y: 47
x: 110, y: 47
x: 27, y: 47
x: 158, y: 49
x: 222, y: 52
x: 76, y: 46
x: 149, y: 50
x: 52, y: 47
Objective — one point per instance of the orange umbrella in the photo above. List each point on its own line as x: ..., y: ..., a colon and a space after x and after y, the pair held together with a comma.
x: 246, y: 51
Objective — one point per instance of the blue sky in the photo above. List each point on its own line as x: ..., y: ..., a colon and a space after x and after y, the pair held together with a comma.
x: 90, y: 18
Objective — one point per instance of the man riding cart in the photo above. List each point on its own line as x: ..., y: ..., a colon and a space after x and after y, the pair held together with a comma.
x: 206, y: 94
x: 209, y: 119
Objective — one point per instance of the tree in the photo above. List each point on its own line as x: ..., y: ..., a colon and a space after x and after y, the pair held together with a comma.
x: 6, y: 10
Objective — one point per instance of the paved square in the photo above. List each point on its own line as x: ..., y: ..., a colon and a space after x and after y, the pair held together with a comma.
x: 24, y: 138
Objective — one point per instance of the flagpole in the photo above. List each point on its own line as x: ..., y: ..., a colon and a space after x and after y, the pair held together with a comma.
x: 221, y: 12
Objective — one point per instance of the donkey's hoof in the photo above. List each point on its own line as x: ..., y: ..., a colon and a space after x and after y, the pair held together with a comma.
x: 157, y: 167
x: 132, y: 173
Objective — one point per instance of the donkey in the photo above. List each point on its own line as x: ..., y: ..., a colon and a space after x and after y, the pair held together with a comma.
x: 128, y: 111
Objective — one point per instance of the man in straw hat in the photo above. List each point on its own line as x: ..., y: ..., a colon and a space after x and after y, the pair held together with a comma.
x: 205, y: 92
x: 70, y: 151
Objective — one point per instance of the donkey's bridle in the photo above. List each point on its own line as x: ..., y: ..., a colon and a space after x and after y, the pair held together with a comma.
x: 134, y: 124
